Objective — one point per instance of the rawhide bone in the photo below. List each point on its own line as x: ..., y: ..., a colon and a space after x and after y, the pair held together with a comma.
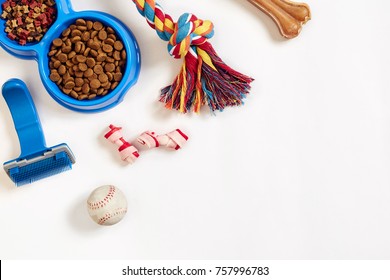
x: 289, y: 16
x: 126, y: 150
x: 173, y: 140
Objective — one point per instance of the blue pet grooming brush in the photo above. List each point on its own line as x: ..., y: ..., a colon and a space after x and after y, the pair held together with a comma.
x: 36, y: 161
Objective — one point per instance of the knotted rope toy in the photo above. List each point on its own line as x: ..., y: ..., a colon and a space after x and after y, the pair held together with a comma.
x: 173, y: 140
x: 204, y: 78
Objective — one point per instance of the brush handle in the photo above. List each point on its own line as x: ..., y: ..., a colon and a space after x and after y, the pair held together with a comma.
x: 25, y: 117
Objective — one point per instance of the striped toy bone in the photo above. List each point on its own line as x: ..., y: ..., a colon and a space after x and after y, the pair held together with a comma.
x: 204, y: 78
x: 288, y: 16
x: 128, y: 152
x: 173, y: 140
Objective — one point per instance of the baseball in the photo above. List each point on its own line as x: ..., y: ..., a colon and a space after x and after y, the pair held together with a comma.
x: 107, y: 205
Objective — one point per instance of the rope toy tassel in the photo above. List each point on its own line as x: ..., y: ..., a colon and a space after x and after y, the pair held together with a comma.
x: 204, y: 79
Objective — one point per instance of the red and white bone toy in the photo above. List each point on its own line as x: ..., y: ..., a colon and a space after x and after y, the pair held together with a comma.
x: 127, y: 151
x: 173, y: 140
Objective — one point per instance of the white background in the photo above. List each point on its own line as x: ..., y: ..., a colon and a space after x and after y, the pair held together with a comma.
x: 300, y: 172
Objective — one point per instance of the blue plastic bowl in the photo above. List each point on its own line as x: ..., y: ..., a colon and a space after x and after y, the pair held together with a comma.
x: 39, y: 51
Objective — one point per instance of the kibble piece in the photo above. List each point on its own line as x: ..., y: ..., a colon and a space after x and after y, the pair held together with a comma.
x: 86, y: 52
x: 66, y: 77
x: 106, y: 85
x: 54, y: 77
x: 91, y: 96
x: 62, y: 70
x: 74, y: 94
x: 62, y: 57
x: 109, y: 67
x: 118, y: 77
x: 81, y: 22
x: 71, y: 54
x: 102, y: 35
x: 94, y: 45
x: 107, y: 48
x: 123, y: 55
x: 56, y: 64
x: 97, y: 25
x: 81, y: 58
x: 76, y: 33
x: 83, y: 67
x: 82, y: 28
x: 110, y: 60
x: 94, y: 34
x: 79, y: 74
x: 88, y: 73
x: 69, y: 63
x: 79, y: 82
x: 89, y: 25
x: 66, y: 32
x: 53, y: 52
x: 103, y: 78
x: 117, y: 55
x: 77, y: 47
x: 66, y: 49
x: 69, y: 85
x: 114, y: 85
x: 82, y: 97
x: 85, y: 88
x: 100, y: 91
x: 118, y: 46
x: 95, y: 84
x: 58, y: 83
x: 90, y: 62
x: 101, y: 57
x: 110, y: 42
x: 86, y: 36
x: 74, y: 60
x: 75, y: 39
x: 93, y: 53
x: 98, y: 69
x: 110, y: 76
x: 66, y: 91
x: 57, y: 42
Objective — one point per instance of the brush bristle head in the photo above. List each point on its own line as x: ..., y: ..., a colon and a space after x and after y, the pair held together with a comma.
x: 32, y: 171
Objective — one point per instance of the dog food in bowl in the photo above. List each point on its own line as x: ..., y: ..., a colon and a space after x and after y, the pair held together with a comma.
x: 26, y: 21
x: 87, y: 60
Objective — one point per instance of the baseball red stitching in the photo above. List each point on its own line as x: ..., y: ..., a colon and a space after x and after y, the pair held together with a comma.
x: 108, y: 216
x: 104, y: 201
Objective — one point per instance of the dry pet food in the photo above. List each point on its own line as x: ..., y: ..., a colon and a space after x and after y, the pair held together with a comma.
x: 28, y: 20
x: 87, y: 60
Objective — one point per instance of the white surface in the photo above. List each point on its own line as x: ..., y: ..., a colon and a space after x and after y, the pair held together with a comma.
x: 300, y: 172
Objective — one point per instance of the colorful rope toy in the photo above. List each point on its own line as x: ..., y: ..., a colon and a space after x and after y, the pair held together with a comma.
x: 173, y: 140
x: 204, y: 78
